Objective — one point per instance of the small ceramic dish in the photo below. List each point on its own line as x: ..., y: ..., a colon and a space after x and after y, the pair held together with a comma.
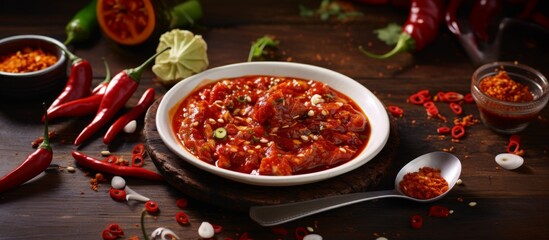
x: 364, y: 98
x: 37, y: 83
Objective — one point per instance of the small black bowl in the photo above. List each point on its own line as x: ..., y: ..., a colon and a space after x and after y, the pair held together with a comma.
x: 37, y: 84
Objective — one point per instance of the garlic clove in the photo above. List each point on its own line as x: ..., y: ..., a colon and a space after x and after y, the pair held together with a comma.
x: 509, y: 161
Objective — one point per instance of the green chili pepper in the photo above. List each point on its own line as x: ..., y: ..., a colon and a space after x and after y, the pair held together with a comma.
x: 83, y: 24
x: 220, y: 133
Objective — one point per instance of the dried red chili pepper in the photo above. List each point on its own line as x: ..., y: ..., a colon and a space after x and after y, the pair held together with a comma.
x: 182, y: 218
x: 144, y: 103
x: 439, y: 211
x: 82, y: 106
x: 151, y: 206
x: 416, y: 221
x: 34, y: 164
x: 117, y: 194
x: 125, y: 171
x: 420, y: 29
x: 120, y: 89
x: 443, y: 130
x: 79, y: 83
x: 395, y: 111
x: 458, y: 131
x: 456, y: 108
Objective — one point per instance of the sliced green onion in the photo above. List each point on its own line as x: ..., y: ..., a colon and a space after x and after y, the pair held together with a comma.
x: 220, y: 133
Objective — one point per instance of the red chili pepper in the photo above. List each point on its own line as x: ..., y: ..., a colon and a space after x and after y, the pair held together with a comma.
x: 144, y: 103
x: 443, y: 130
x: 79, y: 83
x: 453, y: 96
x: 108, y: 235
x: 125, y: 171
x: 440, y: 97
x: 82, y: 106
x: 182, y: 218
x: 417, y: 99
x: 139, y: 149
x: 117, y: 194
x: 439, y: 211
x: 151, y: 206
x: 279, y: 231
x: 181, y: 203
x: 456, y: 108
x: 137, y: 160
x: 420, y: 29
x: 482, y: 13
x: 115, y: 229
x: 217, y: 228
x: 416, y: 221
x: 120, y: 89
x: 300, y: 233
x: 514, y: 144
x: 429, y: 104
x: 395, y: 111
x: 458, y: 132
x: 34, y: 164
x: 468, y: 98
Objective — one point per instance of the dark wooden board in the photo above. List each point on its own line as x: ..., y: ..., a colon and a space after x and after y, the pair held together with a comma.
x: 237, y: 196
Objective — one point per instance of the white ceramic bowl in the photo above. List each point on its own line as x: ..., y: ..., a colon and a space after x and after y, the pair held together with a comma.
x: 365, y: 99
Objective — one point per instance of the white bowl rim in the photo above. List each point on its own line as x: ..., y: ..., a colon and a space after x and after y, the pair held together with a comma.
x: 379, y: 129
x: 55, y: 42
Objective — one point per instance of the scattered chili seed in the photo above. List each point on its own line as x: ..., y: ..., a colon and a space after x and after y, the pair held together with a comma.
x: 452, y: 97
x: 416, y: 221
x: 26, y: 60
x: 71, y: 169
x: 472, y: 204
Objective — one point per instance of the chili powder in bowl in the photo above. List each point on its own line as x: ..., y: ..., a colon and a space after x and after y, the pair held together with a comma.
x: 31, y: 66
x: 226, y: 119
x: 509, y: 95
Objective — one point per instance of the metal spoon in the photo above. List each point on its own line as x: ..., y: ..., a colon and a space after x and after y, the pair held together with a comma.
x: 449, y: 165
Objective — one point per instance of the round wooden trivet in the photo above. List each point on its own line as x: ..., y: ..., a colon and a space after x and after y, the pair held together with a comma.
x: 218, y: 191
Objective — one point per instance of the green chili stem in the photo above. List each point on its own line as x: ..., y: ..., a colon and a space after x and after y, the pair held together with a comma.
x: 135, y: 73
x: 145, y: 236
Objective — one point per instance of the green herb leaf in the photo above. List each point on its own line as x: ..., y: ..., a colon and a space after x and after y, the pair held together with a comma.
x: 258, y: 47
x: 389, y: 34
x: 328, y: 9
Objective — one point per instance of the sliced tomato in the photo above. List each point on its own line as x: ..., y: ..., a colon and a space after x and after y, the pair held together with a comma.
x: 127, y: 22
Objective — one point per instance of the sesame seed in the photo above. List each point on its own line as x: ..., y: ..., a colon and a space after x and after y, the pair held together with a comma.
x: 311, y: 113
x: 342, y: 150
x: 304, y: 138
x: 263, y: 140
x: 472, y: 204
x: 324, y: 112
x: 195, y: 124
x: 220, y: 120
x: 211, y: 120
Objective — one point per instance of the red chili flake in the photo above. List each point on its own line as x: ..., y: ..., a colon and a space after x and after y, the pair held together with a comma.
x: 458, y: 131
x: 151, y: 206
x: 300, y: 233
x: 443, y: 130
x: 182, y: 218
x: 137, y: 160
x: 395, y: 111
x: 468, y: 98
x: 456, y: 108
x: 139, y: 149
x: 417, y: 99
x: 117, y: 194
x: 453, y: 97
x: 279, y: 231
x: 181, y: 203
x: 416, y: 221
x: 111, y: 159
x: 439, y: 211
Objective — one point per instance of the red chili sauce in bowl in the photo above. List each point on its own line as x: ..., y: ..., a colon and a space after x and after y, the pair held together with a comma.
x: 267, y: 125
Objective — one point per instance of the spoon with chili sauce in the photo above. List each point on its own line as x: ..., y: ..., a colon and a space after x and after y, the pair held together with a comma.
x: 448, y: 164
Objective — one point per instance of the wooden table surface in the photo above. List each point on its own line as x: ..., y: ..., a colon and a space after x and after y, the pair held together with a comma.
x: 61, y: 205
